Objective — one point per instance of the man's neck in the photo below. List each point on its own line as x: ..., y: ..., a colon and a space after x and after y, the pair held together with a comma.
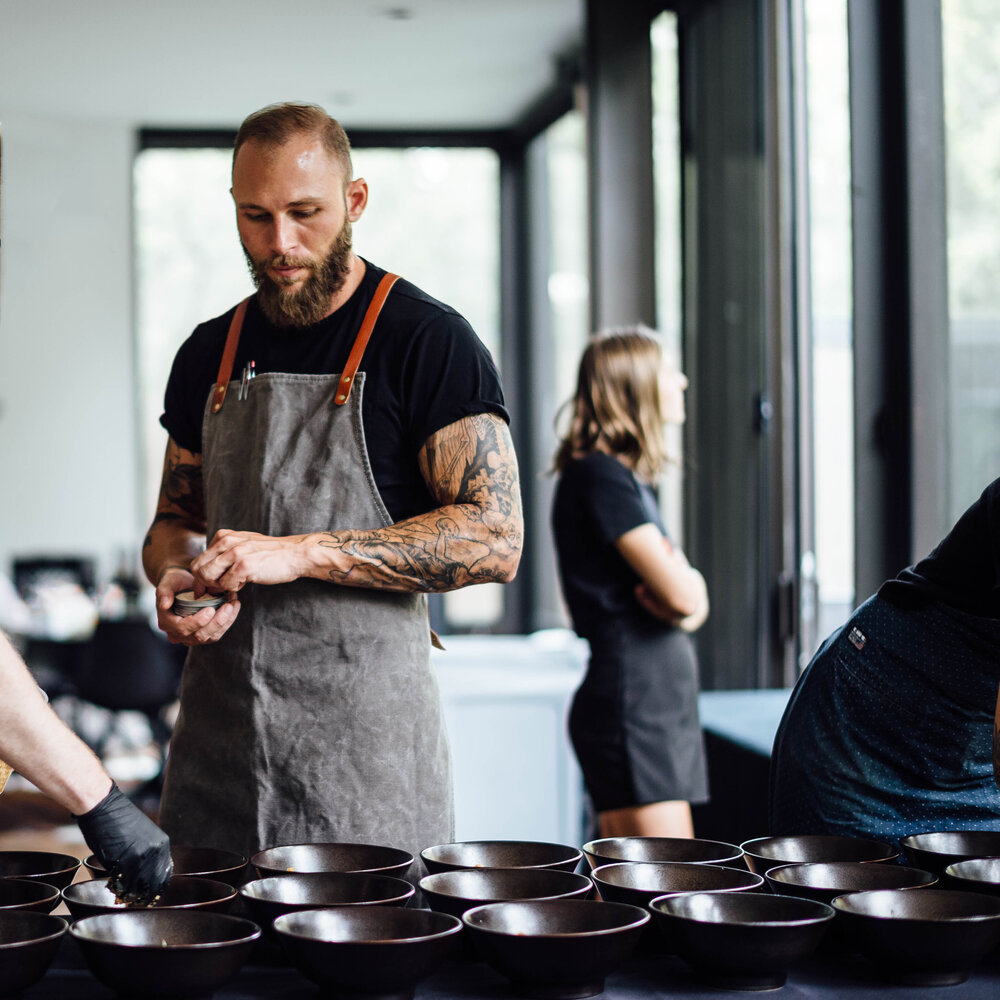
x: 356, y: 271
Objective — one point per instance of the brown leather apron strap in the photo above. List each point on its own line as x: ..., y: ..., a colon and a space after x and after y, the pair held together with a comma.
x: 361, y: 341
x: 228, y: 356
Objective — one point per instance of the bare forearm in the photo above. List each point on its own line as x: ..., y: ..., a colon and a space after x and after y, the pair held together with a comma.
x: 35, y: 742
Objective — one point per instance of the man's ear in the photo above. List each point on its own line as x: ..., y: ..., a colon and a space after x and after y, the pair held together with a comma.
x: 356, y: 197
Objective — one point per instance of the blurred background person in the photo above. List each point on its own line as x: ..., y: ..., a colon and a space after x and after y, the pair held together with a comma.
x: 631, y: 592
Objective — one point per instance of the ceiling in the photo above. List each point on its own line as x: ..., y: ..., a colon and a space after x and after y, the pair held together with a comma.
x: 207, y: 63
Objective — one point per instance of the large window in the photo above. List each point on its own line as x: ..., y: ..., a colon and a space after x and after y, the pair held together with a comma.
x: 433, y: 216
x: 567, y: 285
x: 832, y: 389
x: 971, y: 42
x: 667, y: 234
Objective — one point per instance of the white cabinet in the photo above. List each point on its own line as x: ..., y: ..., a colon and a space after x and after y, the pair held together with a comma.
x: 506, y: 699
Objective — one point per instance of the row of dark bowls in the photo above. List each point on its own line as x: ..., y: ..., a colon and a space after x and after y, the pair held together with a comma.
x: 536, y: 925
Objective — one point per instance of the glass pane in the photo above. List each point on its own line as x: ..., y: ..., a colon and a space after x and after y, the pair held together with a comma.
x: 433, y: 216
x: 568, y: 286
x: 189, y: 268
x: 667, y: 234
x: 830, y: 278
x: 971, y: 42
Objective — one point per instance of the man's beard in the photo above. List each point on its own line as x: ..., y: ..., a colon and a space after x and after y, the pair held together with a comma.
x: 311, y: 302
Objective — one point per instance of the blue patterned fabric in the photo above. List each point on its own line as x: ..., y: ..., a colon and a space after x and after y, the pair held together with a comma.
x: 890, y: 729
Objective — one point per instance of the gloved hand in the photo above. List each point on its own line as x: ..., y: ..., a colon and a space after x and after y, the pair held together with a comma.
x: 133, y: 849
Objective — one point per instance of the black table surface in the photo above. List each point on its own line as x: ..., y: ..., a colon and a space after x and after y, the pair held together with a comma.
x: 648, y: 977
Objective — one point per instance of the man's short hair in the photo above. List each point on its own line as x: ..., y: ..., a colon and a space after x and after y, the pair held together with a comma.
x: 277, y: 123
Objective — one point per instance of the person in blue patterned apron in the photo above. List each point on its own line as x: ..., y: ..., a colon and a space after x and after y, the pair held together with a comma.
x: 889, y: 731
x: 362, y: 460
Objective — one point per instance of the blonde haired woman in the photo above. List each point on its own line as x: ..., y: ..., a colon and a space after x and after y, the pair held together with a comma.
x: 631, y: 593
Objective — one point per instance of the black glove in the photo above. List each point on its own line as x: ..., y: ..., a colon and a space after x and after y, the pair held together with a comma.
x: 133, y: 849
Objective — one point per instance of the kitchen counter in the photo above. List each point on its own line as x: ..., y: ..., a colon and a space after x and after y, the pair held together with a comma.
x: 650, y: 978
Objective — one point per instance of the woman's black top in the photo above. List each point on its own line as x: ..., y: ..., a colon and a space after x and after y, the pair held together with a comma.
x: 598, y: 500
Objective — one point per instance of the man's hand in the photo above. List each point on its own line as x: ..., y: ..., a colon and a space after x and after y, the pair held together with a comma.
x: 133, y: 849
x: 236, y: 558
x: 207, y: 626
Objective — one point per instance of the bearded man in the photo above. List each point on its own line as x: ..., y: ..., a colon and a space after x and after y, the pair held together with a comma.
x: 325, y: 497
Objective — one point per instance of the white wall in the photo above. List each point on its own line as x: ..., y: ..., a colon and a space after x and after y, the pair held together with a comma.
x: 68, y: 454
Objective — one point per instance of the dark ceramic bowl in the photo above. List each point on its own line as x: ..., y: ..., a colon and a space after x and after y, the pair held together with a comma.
x: 368, y: 951
x: 927, y: 938
x: 43, y: 866
x: 611, y: 850
x: 742, y: 940
x: 198, y: 862
x: 28, y: 894
x: 974, y: 875
x: 556, y: 948
x: 28, y: 943
x: 269, y: 898
x: 935, y: 851
x: 640, y: 882
x: 183, y: 892
x: 827, y: 880
x: 368, y: 858
x: 765, y: 853
x: 165, y: 953
x: 456, y: 891
x: 499, y: 854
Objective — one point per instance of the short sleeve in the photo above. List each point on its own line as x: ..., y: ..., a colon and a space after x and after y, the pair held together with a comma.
x: 448, y: 375
x: 610, y: 496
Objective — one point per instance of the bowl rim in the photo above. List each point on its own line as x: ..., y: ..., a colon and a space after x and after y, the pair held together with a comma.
x: 73, y: 866
x: 56, y: 933
x: 825, y: 914
x: 748, y: 845
x: 573, y: 853
x: 454, y: 925
x: 406, y: 891
x: 641, y: 920
x: 230, y: 894
x: 842, y: 904
x: 258, y: 862
x: 735, y: 851
x: 80, y: 927
x: 91, y: 861
x: 912, y: 840
x: 583, y: 883
x: 963, y: 877
x: 772, y: 873
x: 756, y: 883
x: 36, y: 883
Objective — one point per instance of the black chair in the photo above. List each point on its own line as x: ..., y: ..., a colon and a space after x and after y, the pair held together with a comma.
x: 126, y: 666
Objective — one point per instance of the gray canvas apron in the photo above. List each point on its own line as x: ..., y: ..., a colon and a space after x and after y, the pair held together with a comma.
x: 317, y: 716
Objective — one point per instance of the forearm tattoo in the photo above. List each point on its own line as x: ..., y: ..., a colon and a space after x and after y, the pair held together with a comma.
x: 475, y: 536
x: 181, y: 497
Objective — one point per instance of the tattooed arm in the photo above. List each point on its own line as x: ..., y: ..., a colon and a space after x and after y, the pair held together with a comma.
x: 473, y: 536
x: 175, y: 537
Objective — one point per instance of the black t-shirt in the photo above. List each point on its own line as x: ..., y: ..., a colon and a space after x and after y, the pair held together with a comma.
x: 597, y: 500
x: 425, y: 368
x: 963, y: 572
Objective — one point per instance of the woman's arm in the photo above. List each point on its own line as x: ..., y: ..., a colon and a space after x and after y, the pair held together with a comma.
x: 669, y: 588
